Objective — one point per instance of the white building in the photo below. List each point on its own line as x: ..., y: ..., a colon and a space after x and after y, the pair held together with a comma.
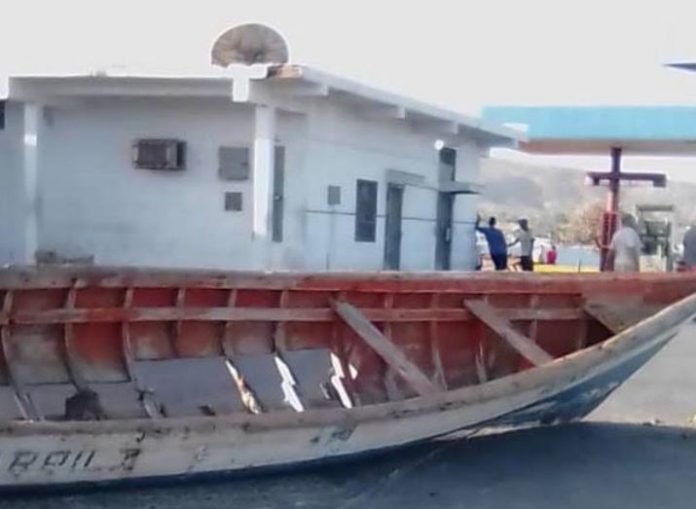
x: 296, y: 169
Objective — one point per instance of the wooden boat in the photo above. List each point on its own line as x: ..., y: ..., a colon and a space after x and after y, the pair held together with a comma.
x: 119, y: 374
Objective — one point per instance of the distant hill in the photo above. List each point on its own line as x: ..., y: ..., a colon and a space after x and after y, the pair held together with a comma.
x: 548, y: 195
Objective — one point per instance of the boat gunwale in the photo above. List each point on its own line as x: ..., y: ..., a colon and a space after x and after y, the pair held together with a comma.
x: 574, y: 366
x: 36, y: 278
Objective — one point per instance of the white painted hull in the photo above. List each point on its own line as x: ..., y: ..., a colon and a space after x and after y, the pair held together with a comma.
x: 34, y: 454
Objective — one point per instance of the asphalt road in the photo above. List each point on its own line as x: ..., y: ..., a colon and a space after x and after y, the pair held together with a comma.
x: 638, y: 450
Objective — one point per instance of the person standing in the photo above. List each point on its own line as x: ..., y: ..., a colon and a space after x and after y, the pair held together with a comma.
x: 496, y: 243
x: 690, y: 248
x: 624, y: 250
x: 526, y: 240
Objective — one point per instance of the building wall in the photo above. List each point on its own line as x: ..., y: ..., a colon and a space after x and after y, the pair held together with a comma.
x: 346, y: 147
x: 12, y: 205
x: 94, y: 203
x: 464, y: 251
x: 291, y: 132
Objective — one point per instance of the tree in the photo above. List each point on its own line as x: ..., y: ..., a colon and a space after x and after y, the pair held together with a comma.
x: 583, y: 225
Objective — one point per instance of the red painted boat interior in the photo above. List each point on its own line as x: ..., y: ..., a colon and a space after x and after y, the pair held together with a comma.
x: 164, y: 344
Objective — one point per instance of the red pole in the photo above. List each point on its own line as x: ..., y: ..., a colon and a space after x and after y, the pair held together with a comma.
x: 609, y: 221
x: 614, y: 181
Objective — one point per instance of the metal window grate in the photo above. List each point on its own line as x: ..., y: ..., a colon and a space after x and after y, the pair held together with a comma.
x: 159, y: 154
x: 366, y: 211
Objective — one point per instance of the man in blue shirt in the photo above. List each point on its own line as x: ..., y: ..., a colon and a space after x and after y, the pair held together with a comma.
x: 497, y: 246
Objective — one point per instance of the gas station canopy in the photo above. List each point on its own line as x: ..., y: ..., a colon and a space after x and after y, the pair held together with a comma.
x: 606, y: 130
x: 639, y: 130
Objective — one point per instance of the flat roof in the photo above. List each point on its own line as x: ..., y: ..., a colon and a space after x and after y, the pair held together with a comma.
x: 645, y: 130
x: 300, y: 81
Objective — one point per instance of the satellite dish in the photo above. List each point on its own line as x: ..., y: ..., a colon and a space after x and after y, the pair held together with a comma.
x: 249, y: 44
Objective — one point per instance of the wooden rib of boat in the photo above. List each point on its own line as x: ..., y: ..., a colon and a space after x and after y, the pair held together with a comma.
x: 121, y: 374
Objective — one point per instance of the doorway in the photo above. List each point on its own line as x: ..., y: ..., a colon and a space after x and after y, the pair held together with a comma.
x: 278, y: 194
x: 445, y: 210
x: 392, y: 227
x: 443, y: 228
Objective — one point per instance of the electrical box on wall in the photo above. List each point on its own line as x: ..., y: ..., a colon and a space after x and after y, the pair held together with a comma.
x: 233, y: 163
x: 333, y: 195
x: 159, y: 154
x: 233, y: 201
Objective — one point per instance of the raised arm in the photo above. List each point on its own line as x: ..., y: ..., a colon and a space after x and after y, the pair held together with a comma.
x: 476, y: 225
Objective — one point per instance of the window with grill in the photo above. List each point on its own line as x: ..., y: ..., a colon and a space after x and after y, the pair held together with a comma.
x: 159, y: 154
x: 365, y: 211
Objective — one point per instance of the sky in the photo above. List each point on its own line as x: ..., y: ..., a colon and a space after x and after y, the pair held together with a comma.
x: 459, y: 54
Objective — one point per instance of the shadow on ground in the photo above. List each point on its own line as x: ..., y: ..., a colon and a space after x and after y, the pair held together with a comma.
x: 583, y: 465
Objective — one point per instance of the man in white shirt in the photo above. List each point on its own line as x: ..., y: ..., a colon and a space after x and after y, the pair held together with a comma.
x: 690, y: 247
x: 625, y: 246
x: 524, y: 237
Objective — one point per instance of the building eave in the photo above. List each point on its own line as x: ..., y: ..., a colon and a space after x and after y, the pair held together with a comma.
x: 484, y: 132
x: 637, y: 130
x: 297, y: 81
x: 36, y: 88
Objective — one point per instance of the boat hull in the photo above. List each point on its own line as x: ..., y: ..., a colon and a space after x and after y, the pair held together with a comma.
x: 69, y: 454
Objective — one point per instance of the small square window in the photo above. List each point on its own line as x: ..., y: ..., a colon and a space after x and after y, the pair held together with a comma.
x: 333, y: 195
x: 448, y: 156
x: 233, y: 201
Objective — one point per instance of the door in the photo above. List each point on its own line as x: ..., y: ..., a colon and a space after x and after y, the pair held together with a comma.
x: 392, y: 227
x: 443, y: 231
x: 445, y: 210
x: 278, y: 194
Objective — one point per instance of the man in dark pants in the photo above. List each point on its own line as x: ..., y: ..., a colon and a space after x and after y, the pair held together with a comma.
x: 496, y: 243
x: 526, y: 240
